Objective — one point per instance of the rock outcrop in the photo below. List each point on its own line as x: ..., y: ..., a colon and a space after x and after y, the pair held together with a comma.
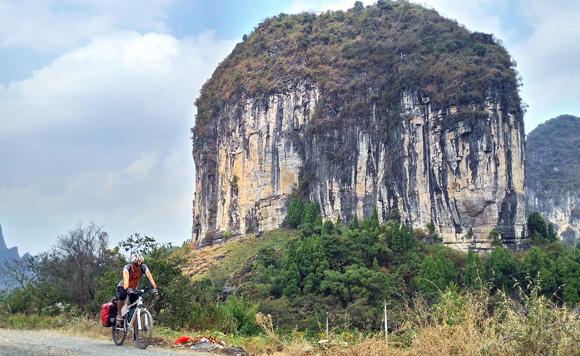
x: 362, y: 134
x: 7, y: 255
x: 553, y: 174
x: 5, y: 252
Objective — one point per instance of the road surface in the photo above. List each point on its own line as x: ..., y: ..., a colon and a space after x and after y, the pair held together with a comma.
x: 44, y: 342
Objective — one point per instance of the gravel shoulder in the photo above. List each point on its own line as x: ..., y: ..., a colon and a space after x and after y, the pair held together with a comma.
x: 48, y: 342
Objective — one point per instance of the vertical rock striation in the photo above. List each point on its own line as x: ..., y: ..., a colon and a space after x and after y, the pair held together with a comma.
x: 460, y: 174
x: 245, y: 184
x: 354, y: 138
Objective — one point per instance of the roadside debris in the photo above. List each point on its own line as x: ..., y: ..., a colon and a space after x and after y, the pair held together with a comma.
x: 207, y: 343
x: 200, y: 342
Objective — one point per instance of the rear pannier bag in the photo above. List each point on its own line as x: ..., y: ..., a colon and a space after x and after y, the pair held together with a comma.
x: 108, y: 314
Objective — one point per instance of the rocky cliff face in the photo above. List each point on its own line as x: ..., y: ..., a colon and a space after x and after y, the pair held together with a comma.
x: 553, y: 171
x: 458, y: 164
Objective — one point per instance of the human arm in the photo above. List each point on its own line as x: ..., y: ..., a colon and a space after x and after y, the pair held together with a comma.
x: 125, y: 279
x: 150, y: 277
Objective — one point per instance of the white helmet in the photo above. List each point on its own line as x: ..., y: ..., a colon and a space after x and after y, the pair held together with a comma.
x: 136, y: 258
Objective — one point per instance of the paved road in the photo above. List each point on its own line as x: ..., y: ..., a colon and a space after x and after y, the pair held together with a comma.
x: 44, y: 342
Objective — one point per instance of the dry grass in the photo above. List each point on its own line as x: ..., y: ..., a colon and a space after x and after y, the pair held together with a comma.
x: 460, y: 324
x: 223, y: 260
x: 464, y: 325
x: 86, y: 327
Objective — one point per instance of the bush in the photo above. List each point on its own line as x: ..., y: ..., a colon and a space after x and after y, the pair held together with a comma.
x: 437, y: 273
x: 295, y: 212
x: 238, y: 316
x: 540, y: 231
x: 501, y: 268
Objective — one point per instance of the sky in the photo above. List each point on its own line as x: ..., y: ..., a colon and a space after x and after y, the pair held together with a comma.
x: 96, y: 100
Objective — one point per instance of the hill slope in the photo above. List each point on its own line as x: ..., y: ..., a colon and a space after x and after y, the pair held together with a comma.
x: 553, y: 173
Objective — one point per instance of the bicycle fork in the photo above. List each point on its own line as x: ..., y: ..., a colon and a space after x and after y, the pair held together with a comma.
x: 139, y: 325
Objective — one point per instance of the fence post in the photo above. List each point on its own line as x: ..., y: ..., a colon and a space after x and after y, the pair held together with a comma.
x: 386, y: 323
x: 327, y: 326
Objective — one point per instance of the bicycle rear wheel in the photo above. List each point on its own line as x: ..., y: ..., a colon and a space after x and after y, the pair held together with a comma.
x: 144, y: 334
x: 119, y: 335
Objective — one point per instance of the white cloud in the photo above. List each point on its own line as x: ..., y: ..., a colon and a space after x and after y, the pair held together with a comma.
x: 153, y: 75
x: 476, y: 15
x: 298, y: 6
x: 62, y: 25
x: 548, y: 61
x: 102, y: 133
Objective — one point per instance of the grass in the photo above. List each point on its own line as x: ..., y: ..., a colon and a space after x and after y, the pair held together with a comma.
x: 69, y: 325
x: 460, y: 324
x: 221, y: 261
x: 464, y: 323
x: 22, y: 321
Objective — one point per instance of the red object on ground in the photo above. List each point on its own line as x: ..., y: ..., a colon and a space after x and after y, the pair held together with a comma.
x: 182, y: 340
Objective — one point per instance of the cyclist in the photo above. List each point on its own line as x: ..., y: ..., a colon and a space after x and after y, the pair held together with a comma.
x: 132, y: 273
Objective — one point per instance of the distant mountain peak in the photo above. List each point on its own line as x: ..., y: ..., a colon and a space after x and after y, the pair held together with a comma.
x: 2, y: 243
x: 553, y: 174
x: 5, y: 252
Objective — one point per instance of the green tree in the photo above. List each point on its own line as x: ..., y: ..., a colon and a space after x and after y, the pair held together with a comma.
x: 291, y: 278
x: 568, y: 270
x: 295, y: 212
x: 311, y: 214
x: 437, y: 273
x: 139, y: 244
x: 541, y: 268
x: 539, y: 230
x: 354, y: 223
x: 372, y: 223
x: 356, y: 282
x: 305, y: 267
x: 501, y: 267
x: 474, y: 273
x: 174, y: 303
x: 401, y: 238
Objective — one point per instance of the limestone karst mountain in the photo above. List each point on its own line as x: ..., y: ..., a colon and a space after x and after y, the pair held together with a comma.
x: 5, y: 252
x: 388, y: 106
x: 553, y: 174
x: 6, y: 255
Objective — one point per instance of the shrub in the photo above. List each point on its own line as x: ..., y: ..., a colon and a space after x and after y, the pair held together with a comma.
x: 295, y: 212
x: 238, y: 316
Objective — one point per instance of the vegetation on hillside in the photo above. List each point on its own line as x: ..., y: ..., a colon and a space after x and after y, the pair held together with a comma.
x: 552, y: 150
x: 348, y: 272
x: 281, y: 288
x: 359, y: 58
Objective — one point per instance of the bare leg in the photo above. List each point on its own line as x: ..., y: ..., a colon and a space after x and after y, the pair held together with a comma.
x: 120, y: 304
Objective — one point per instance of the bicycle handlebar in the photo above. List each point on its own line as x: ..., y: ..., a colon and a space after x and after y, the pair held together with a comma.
x: 137, y: 291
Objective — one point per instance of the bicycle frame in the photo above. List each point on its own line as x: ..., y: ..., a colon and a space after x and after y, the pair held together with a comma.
x: 137, y: 314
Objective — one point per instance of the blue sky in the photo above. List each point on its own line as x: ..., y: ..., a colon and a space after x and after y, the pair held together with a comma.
x: 96, y: 100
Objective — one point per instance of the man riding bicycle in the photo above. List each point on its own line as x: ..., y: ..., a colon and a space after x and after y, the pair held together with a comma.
x: 132, y: 273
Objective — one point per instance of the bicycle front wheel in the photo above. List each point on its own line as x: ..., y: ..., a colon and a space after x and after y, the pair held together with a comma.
x: 119, y: 335
x: 144, y: 332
